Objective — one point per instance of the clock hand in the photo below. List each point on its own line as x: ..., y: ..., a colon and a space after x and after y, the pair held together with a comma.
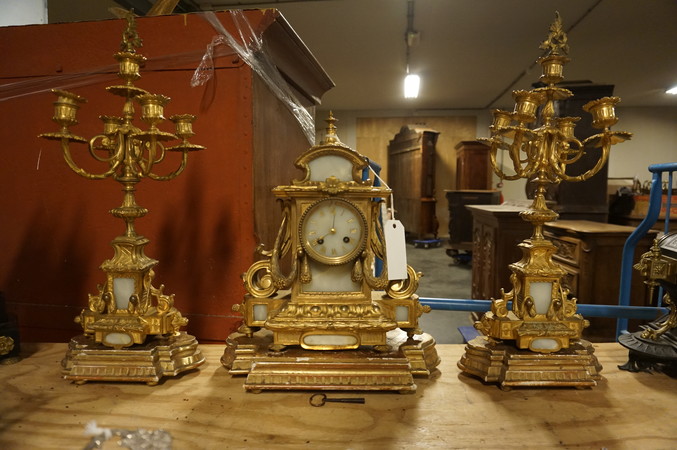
x: 321, y: 238
x: 332, y: 230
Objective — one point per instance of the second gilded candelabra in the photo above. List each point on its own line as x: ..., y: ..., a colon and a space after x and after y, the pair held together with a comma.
x: 535, y: 326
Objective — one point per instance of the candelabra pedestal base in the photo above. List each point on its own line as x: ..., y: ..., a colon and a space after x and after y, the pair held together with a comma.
x: 362, y: 369
x: 503, y: 363
x: 160, y: 356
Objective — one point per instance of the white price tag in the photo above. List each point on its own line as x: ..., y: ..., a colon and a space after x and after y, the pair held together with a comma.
x: 396, y: 250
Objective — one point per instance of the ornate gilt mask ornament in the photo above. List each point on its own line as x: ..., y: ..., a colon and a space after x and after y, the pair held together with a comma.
x: 131, y: 328
x: 316, y: 316
x: 532, y: 335
x: 654, y: 347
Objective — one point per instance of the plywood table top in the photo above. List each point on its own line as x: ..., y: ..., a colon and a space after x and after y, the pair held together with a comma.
x: 207, y: 408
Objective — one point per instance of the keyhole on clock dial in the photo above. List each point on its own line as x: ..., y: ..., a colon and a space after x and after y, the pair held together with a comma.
x: 346, y: 239
x: 320, y: 241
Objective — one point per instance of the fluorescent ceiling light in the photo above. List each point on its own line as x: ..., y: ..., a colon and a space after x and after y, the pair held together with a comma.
x: 672, y: 90
x: 411, y: 84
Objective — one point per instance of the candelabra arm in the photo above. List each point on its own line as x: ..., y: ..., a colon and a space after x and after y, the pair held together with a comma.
x: 513, y: 151
x: 114, y: 163
x: 172, y: 175
x: 606, y: 147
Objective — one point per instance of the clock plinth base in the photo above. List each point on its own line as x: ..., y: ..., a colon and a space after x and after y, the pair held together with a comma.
x: 160, y: 356
x: 362, y: 369
x: 503, y: 363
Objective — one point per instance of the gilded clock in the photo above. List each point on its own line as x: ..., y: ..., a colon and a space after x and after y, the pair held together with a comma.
x: 317, y: 315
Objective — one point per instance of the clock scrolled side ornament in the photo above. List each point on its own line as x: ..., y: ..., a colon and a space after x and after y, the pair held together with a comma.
x: 316, y: 315
x: 131, y: 328
x: 533, y: 335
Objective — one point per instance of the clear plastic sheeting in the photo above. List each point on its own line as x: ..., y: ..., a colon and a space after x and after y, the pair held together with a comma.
x: 251, y: 49
x: 69, y: 81
x: 249, y: 45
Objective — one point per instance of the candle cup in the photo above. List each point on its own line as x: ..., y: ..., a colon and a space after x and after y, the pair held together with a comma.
x: 152, y: 108
x: 111, y: 124
x: 602, y: 111
x: 129, y: 65
x: 184, y: 125
x: 65, y: 108
x: 526, y: 104
x: 566, y: 125
x: 501, y: 119
x: 553, y: 68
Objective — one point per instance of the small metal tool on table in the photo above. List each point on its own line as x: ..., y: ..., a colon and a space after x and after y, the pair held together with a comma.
x: 318, y: 400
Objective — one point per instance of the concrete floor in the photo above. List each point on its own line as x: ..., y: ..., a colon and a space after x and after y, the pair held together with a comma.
x: 442, y: 278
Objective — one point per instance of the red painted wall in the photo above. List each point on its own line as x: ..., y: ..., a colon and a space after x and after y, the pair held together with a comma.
x: 55, y: 226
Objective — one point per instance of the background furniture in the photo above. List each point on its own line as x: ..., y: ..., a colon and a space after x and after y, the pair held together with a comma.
x: 473, y: 166
x: 204, y: 226
x: 208, y: 408
x: 591, y: 254
x: 497, y: 229
x: 473, y: 187
x: 586, y: 200
x: 411, y: 175
x: 460, y: 217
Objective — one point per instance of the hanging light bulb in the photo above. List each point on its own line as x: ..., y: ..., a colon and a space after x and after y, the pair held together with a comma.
x: 412, y: 82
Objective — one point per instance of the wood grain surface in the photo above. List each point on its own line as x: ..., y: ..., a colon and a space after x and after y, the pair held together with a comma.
x: 207, y: 408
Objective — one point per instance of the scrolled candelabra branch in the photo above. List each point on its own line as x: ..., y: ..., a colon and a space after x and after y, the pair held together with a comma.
x: 546, y: 150
x: 114, y: 161
x: 171, y: 175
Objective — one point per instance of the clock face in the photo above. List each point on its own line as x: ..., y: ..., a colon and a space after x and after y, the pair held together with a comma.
x: 332, y: 231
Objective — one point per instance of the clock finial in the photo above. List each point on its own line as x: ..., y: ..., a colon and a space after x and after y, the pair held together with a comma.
x: 331, y: 137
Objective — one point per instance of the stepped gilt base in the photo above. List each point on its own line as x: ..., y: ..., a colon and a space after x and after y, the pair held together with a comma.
x: 361, y: 369
x: 159, y: 356
x: 503, y: 363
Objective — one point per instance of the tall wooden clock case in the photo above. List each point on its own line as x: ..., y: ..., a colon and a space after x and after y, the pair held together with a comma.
x: 316, y: 316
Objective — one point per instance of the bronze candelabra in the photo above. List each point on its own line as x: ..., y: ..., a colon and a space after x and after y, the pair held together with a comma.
x: 538, y: 315
x: 128, y: 315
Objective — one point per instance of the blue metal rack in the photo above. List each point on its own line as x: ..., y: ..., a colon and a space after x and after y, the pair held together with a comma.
x: 655, y: 200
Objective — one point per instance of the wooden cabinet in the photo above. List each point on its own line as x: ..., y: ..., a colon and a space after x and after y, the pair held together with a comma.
x: 497, y: 229
x: 586, y: 200
x: 473, y: 166
x: 460, y: 217
x: 591, y: 254
x: 411, y: 175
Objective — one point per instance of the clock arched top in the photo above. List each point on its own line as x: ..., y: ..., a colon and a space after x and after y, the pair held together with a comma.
x: 332, y: 159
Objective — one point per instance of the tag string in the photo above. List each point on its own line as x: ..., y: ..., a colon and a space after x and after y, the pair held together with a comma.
x: 392, y: 197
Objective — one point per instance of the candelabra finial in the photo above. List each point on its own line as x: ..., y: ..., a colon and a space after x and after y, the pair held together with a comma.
x: 556, y: 42
x: 130, y: 38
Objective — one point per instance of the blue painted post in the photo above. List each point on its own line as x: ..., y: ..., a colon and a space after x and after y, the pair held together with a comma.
x: 655, y: 200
